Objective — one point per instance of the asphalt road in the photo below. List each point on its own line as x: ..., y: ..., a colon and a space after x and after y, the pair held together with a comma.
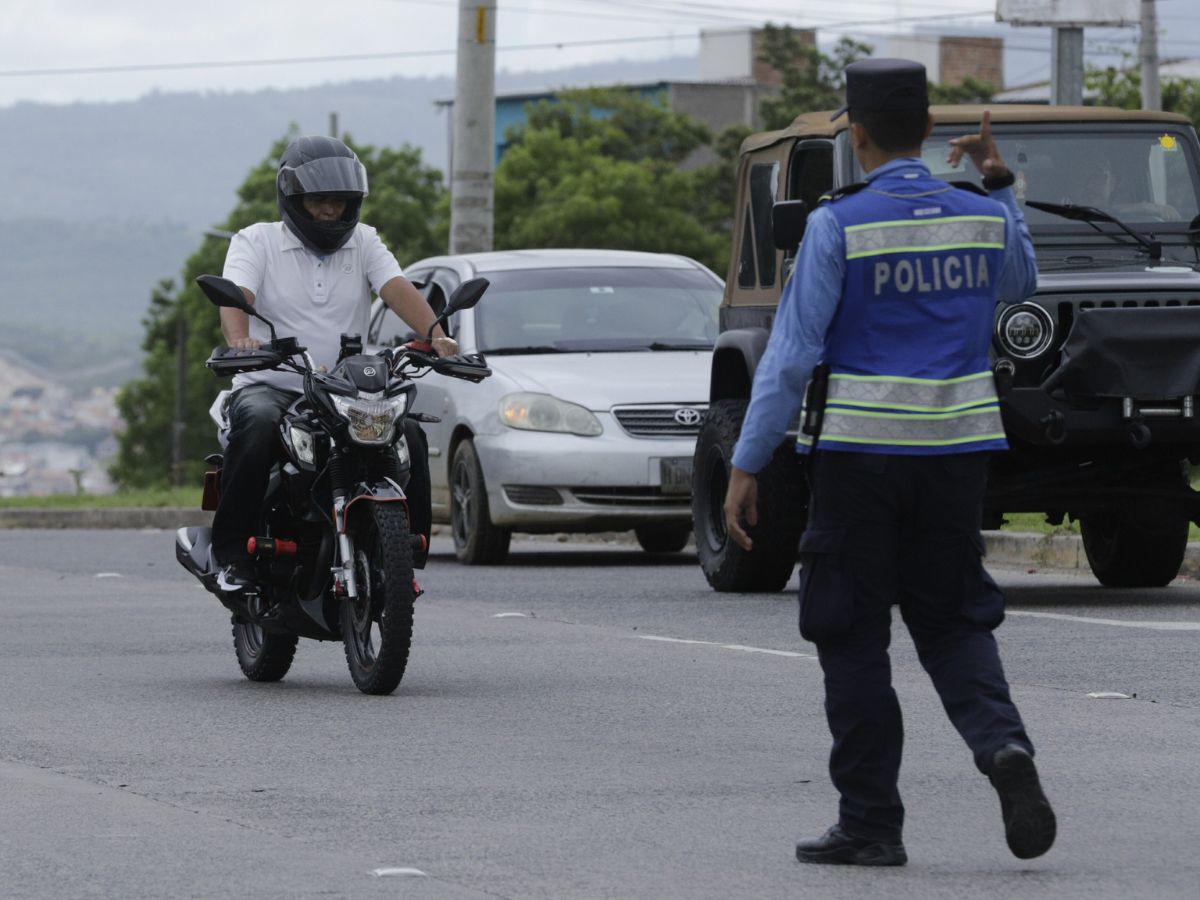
x: 585, y: 722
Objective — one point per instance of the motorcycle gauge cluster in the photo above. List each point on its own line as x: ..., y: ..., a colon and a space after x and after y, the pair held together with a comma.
x: 1025, y: 330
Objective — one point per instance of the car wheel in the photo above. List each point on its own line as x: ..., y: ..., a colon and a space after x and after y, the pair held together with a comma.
x: 477, y: 542
x: 663, y: 538
x: 782, y: 509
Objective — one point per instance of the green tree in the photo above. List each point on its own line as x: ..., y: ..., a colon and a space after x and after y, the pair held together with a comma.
x: 1123, y: 87
x: 602, y: 168
x: 969, y: 90
x: 811, y: 80
x: 404, y: 195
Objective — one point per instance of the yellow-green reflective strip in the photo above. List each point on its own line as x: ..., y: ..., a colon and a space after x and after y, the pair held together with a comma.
x: 915, y: 394
x: 914, y: 417
x: 914, y: 407
x: 903, y: 442
x: 900, y: 379
x: 924, y: 235
x: 899, y: 428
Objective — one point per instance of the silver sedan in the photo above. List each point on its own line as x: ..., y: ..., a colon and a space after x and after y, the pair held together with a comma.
x: 601, y: 366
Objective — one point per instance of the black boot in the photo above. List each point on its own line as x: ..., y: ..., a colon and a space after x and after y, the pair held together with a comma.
x: 1029, y: 823
x: 839, y: 848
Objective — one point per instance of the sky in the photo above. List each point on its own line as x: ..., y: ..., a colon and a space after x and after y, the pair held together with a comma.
x: 94, y: 34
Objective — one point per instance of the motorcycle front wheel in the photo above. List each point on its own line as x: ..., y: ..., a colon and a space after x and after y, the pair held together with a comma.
x: 377, y: 625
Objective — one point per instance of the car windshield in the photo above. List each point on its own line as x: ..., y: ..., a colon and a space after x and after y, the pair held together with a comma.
x: 1147, y: 177
x: 598, y: 309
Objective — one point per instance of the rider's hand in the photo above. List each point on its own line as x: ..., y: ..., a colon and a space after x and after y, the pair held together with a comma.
x: 244, y: 343
x: 981, y: 148
x: 444, y: 346
x: 741, y: 501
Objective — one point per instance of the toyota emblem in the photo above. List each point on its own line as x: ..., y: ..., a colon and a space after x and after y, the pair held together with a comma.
x: 368, y: 371
x: 688, y: 417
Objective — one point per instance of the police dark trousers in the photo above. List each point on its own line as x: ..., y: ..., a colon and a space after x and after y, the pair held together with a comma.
x: 255, y: 412
x: 885, y: 530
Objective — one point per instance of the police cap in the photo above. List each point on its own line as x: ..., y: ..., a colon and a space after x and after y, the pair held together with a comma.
x: 885, y: 84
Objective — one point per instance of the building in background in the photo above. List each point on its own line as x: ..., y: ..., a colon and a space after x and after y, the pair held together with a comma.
x: 951, y: 59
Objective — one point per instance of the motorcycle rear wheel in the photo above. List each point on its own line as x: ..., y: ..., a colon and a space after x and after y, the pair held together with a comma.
x: 377, y: 626
x: 261, y: 655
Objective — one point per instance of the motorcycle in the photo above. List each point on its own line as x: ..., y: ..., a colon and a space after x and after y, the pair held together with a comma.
x: 333, y: 557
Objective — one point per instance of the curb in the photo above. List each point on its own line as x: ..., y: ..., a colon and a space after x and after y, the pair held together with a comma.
x: 1004, y: 548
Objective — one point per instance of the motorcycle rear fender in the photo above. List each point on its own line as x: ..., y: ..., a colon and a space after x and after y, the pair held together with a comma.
x: 735, y: 360
x: 386, y: 492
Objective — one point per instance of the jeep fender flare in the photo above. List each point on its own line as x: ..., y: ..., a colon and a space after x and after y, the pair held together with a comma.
x: 735, y: 360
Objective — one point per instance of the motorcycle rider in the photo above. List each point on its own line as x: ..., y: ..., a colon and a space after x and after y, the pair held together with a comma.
x: 311, y: 274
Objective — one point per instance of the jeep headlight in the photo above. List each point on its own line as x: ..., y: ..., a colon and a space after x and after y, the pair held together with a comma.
x: 1025, y: 330
x: 541, y: 412
x: 371, y: 421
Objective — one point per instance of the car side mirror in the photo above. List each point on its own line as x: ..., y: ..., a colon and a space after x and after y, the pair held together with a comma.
x: 223, y: 292
x: 788, y: 221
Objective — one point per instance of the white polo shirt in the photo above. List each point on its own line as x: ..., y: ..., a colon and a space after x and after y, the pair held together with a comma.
x: 313, y: 298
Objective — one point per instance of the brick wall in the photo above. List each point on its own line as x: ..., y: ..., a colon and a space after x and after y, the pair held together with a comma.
x: 979, y: 57
x: 769, y: 75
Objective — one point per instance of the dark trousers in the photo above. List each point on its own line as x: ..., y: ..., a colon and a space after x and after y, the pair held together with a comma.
x: 887, y: 530
x: 255, y: 412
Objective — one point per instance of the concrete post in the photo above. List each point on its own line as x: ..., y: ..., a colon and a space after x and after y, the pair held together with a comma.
x: 1066, y: 67
x: 473, y: 154
x: 1148, y: 56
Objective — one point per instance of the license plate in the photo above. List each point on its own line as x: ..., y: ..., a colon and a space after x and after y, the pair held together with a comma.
x: 676, y: 475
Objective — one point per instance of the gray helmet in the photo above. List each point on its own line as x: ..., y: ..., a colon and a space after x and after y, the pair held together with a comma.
x: 320, y: 165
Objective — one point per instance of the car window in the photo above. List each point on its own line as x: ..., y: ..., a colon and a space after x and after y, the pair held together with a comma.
x: 764, y: 181
x: 614, y: 308
x: 745, y: 272
x: 389, y: 330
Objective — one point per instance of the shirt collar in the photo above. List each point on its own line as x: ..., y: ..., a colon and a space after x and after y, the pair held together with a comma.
x: 289, y: 241
x: 907, y: 165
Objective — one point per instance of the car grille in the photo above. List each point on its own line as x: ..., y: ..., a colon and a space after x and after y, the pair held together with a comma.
x: 629, y: 496
x: 532, y: 495
x: 668, y: 420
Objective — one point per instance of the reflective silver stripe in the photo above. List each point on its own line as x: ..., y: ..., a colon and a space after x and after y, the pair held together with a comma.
x: 911, y: 394
x: 947, y: 233
x: 912, y: 430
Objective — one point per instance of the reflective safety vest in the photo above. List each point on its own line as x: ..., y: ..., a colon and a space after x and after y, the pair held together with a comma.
x: 908, y: 347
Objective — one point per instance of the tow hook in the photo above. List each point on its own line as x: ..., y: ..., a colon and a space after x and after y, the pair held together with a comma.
x: 1054, y: 427
x: 1139, y: 434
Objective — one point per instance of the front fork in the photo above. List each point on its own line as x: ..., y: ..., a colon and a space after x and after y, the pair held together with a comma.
x: 343, y: 573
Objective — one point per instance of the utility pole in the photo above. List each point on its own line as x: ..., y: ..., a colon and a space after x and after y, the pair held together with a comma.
x: 333, y: 124
x: 1066, y: 67
x: 473, y: 153
x: 1148, y: 56
x: 180, y: 389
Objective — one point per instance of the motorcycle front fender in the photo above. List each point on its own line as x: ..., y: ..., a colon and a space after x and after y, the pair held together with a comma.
x: 384, y: 492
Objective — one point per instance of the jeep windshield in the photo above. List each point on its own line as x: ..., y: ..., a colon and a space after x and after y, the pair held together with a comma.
x: 1145, y: 177
x: 609, y: 309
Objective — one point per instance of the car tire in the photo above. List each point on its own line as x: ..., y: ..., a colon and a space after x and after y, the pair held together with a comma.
x: 1140, y: 545
x: 663, y: 538
x: 477, y: 542
x: 782, y: 508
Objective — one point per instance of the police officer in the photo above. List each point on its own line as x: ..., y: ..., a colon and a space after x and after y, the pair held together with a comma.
x: 894, y: 294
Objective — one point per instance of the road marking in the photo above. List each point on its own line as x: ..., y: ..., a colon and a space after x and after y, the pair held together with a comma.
x: 511, y: 616
x: 398, y: 872
x: 741, y: 647
x: 1120, y: 623
x: 109, y: 575
x: 1109, y: 695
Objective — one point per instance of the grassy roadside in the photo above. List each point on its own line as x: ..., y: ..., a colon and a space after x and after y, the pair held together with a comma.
x: 156, y: 497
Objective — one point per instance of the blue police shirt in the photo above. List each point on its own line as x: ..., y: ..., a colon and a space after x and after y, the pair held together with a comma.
x: 810, y: 300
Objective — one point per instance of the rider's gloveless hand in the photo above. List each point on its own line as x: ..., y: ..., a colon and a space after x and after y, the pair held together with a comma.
x: 445, y: 346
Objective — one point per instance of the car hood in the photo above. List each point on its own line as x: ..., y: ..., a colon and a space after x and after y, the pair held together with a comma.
x: 602, y: 380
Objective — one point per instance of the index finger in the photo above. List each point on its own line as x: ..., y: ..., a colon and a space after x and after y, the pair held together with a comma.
x: 985, y: 129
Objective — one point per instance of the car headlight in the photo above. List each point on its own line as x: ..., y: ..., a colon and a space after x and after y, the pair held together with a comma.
x: 541, y: 412
x: 1025, y: 330
x: 371, y: 421
x: 304, y: 444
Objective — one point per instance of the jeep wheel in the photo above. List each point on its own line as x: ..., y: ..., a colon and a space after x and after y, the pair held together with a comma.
x: 1137, y: 546
x: 781, y: 509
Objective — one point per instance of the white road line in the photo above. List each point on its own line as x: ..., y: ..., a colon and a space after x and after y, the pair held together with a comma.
x: 511, y: 616
x: 398, y: 872
x: 1119, y: 623
x: 741, y: 647
x: 109, y: 575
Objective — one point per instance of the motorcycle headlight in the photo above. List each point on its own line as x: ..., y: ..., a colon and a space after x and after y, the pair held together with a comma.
x: 1025, y: 330
x: 371, y: 421
x: 304, y: 444
x: 541, y: 412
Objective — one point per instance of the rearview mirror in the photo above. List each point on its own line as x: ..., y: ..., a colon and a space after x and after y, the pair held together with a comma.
x: 223, y: 292
x: 465, y: 296
x: 788, y: 221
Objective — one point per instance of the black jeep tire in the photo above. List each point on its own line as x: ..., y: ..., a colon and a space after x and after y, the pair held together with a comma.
x: 1138, y: 546
x: 477, y: 542
x: 663, y: 538
x: 262, y: 655
x: 781, y: 509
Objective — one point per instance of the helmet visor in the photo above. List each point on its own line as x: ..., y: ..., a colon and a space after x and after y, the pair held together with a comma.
x: 328, y: 175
